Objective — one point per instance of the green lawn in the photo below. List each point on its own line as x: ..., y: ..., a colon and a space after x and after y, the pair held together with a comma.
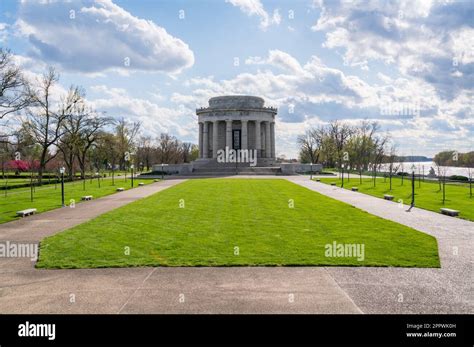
x: 25, y: 178
x: 201, y: 222
x: 428, y: 196
x: 48, y: 197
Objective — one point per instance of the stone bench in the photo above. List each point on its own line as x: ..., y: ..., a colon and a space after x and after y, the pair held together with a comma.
x: 26, y: 212
x: 318, y: 180
x: 388, y: 197
x: 141, y: 184
x: 449, y: 212
x: 86, y: 197
x: 120, y: 189
x: 355, y: 189
x: 156, y: 180
x: 333, y: 184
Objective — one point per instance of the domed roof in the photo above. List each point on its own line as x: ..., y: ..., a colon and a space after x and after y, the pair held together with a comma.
x: 236, y: 102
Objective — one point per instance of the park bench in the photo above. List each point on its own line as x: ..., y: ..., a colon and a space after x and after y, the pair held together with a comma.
x: 355, y: 189
x: 333, y: 184
x: 26, y: 212
x: 120, y: 189
x: 87, y: 197
x: 318, y: 180
x: 141, y: 184
x: 449, y: 212
x: 388, y: 197
x: 156, y: 180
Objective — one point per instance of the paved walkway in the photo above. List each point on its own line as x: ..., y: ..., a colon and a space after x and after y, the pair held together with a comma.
x: 402, y: 290
x: 37, y: 227
x: 24, y: 289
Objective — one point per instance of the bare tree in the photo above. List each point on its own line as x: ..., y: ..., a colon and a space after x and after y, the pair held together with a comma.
x: 145, y: 151
x: 185, y: 150
x: 168, y: 147
x: 90, y: 131
x: 340, y: 134
x: 44, y: 123
x: 380, y: 143
x: 72, y: 127
x: 14, y: 89
x: 391, y: 160
x: 126, y: 134
x: 307, y: 143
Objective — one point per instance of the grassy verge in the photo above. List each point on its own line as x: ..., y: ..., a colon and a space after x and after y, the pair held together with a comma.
x: 231, y: 222
x: 427, y: 193
x: 48, y: 197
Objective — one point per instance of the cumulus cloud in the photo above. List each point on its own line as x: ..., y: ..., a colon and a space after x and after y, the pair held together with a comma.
x: 428, y: 40
x: 155, y: 119
x: 314, y: 93
x: 3, y: 32
x: 255, y: 8
x: 97, y: 35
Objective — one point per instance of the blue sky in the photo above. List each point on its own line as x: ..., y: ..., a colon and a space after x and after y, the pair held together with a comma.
x: 315, y: 60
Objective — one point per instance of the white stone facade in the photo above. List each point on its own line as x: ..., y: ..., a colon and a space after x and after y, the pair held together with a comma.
x: 237, y: 122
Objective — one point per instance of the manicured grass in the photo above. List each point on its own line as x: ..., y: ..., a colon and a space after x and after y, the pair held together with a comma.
x: 48, y: 197
x: 428, y: 196
x: 201, y: 222
x: 25, y: 178
x: 11, y: 182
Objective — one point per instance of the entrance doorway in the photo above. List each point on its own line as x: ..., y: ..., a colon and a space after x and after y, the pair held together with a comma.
x: 236, y: 139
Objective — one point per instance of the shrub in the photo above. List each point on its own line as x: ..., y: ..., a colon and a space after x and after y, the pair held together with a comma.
x: 458, y: 178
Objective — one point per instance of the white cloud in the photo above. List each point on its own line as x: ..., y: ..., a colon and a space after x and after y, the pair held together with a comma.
x: 255, y: 8
x: 3, y: 32
x: 320, y: 93
x: 94, y: 36
x: 421, y: 38
x: 155, y: 119
x: 278, y: 59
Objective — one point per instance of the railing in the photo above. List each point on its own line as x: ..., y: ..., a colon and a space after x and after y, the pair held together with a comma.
x: 203, y: 109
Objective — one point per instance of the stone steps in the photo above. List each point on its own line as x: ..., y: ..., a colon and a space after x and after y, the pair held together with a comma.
x: 240, y: 171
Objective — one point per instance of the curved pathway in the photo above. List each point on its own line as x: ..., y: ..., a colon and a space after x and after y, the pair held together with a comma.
x: 24, y: 289
x: 409, y: 290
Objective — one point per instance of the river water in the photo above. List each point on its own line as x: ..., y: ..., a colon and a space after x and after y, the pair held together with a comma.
x: 427, y: 165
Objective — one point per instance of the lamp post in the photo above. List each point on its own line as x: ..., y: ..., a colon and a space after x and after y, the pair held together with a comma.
x: 162, y: 172
x: 311, y: 174
x: 131, y: 168
x: 412, y: 204
x: 342, y: 172
x: 419, y: 177
x: 61, y: 171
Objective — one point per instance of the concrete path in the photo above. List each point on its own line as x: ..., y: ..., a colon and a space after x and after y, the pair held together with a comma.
x: 449, y: 289
x: 24, y: 289
x: 37, y: 227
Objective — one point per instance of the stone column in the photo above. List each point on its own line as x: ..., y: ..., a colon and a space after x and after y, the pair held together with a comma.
x: 205, y: 139
x: 244, y: 144
x: 200, y: 139
x: 228, y: 133
x: 215, y: 138
x: 272, y: 131
x: 268, y: 141
x: 258, y: 140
